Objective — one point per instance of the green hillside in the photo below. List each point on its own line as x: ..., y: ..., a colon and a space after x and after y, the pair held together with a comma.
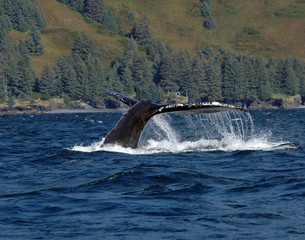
x: 245, y: 26
x: 226, y: 50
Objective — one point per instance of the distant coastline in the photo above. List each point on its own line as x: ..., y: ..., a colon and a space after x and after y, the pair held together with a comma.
x: 58, y: 106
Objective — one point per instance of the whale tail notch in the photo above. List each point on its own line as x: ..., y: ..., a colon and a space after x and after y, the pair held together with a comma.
x: 128, y: 130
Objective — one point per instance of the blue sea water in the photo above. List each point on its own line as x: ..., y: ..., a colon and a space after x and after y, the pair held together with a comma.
x: 192, y: 177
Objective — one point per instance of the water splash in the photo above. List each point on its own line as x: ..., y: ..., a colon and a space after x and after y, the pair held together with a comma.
x: 174, y: 133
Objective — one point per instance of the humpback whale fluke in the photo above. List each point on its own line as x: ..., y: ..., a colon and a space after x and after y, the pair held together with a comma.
x: 128, y: 130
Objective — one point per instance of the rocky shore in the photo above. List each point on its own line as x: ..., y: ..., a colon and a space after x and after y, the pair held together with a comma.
x: 290, y: 102
x: 59, y: 106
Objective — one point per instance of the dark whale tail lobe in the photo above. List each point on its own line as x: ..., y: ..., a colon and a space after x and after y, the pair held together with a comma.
x: 128, y: 130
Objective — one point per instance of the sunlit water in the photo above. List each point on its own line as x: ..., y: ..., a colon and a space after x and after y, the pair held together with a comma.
x: 220, y: 176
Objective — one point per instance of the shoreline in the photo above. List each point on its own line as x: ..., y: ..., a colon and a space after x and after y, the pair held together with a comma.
x: 16, y: 111
x: 94, y: 110
x: 57, y: 106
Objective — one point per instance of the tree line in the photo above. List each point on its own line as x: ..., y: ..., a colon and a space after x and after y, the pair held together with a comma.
x: 17, y: 79
x: 146, y: 68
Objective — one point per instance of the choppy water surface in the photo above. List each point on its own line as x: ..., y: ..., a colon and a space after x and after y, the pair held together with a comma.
x: 193, y: 177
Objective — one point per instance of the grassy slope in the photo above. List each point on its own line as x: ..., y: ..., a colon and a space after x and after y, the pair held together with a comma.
x: 63, y: 24
x: 173, y: 21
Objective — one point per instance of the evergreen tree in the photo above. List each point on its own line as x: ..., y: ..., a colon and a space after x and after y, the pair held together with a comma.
x: 114, y: 82
x: 76, y: 5
x: 208, y: 52
x: 213, y: 79
x: 78, y: 87
x: 96, y: 78
x: 142, y: 31
x: 299, y: 69
x: 168, y: 73
x: 131, y: 45
x: 184, y: 79
x: 126, y: 79
x: 85, y: 46
x: 33, y: 43
x: 3, y: 87
x: 63, y: 74
x: 46, y: 84
x: 263, y: 88
x: 205, y: 10
x: 199, y: 88
x: 210, y: 23
x: 98, y: 11
x: 143, y: 34
x: 23, y: 14
x: 287, y: 77
x: 228, y: 75
x: 271, y: 69
x: 208, y: 2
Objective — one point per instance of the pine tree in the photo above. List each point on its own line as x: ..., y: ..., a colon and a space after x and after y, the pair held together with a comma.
x: 198, y: 88
x: 47, y: 82
x: 3, y: 87
x: 23, y: 14
x: 168, y: 73
x: 98, y: 11
x: 184, y: 78
x: 78, y: 87
x: 84, y: 46
x: 113, y: 81
x: 142, y: 31
x: 143, y: 34
x: 228, y: 75
x: 213, y: 79
x: 205, y: 10
x: 126, y: 79
x: 210, y: 23
x: 63, y: 72
x: 96, y: 78
x: 33, y: 43
x: 131, y: 45
x: 208, y: 2
x: 208, y: 52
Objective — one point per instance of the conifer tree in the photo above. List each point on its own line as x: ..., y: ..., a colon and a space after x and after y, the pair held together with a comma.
x: 210, y: 23
x: 168, y: 73
x: 98, y: 11
x: 33, y: 43
x: 213, y: 79
x: 208, y: 2
x: 198, y: 88
x: 131, y: 45
x: 47, y: 82
x: 126, y: 79
x: 3, y: 87
x: 84, y: 46
x: 113, y: 81
x: 205, y: 10
x: 184, y: 77
x: 208, y: 52
x: 228, y: 75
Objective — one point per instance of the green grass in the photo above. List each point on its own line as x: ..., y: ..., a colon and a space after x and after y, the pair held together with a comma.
x: 292, y: 11
x: 63, y: 25
x: 245, y: 26
x: 279, y: 96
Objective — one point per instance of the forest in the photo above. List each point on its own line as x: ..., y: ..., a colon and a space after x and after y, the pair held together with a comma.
x: 146, y: 69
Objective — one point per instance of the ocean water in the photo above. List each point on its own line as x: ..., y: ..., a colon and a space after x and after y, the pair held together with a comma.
x: 219, y: 176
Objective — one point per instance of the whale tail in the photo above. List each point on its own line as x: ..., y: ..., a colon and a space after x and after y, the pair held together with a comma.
x: 128, y: 130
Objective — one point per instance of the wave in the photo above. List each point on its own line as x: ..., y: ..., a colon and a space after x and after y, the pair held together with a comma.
x: 229, y: 144
x: 168, y: 133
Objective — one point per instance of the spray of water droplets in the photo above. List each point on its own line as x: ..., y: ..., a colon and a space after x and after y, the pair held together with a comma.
x: 174, y: 133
